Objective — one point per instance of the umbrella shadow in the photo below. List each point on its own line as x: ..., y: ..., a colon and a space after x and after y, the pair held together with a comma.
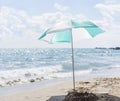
x: 101, y: 97
x: 107, y: 97
x: 56, y: 98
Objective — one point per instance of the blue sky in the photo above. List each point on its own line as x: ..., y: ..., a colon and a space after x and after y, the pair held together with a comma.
x: 22, y: 21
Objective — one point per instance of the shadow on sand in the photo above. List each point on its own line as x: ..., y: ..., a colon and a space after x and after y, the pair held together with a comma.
x: 56, y: 98
x: 101, y: 97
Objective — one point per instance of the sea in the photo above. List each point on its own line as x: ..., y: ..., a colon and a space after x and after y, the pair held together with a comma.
x: 19, y: 66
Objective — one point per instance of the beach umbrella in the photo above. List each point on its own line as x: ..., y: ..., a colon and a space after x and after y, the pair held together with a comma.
x: 63, y: 32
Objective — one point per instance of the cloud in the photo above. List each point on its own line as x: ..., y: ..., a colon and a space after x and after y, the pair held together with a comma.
x: 111, y: 1
x: 110, y: 15
x: 61, y: 7
x: 110, y: 18
x: 111, y: 8
x: 17, y: 28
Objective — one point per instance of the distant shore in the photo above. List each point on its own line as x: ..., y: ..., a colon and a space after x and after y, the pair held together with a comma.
x: 115, y: 48
x: 107, y: 89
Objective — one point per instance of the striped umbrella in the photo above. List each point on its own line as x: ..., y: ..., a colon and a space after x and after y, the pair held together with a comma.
x: 63, y: 32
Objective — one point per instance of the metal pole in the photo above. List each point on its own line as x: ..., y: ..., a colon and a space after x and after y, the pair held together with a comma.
x: 73, y: 61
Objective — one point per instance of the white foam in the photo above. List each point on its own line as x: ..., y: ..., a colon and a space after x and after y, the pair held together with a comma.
x: 26, y: 74
x: 115, y: 66
x: 69, y: 74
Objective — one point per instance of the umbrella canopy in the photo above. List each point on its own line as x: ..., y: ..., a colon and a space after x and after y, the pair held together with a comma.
x: 62, y: 32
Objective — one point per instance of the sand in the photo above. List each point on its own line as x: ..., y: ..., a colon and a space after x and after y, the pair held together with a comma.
x: 107, y: 89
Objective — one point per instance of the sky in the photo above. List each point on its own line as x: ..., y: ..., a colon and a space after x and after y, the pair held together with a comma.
x: 23, y: 21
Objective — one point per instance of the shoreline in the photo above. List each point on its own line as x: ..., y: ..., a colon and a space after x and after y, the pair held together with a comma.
x: 6, y: 90
x: 112, y: 72
x: 110, y: 86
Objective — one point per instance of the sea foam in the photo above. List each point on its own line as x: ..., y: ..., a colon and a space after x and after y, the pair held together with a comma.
x: 19, y: 76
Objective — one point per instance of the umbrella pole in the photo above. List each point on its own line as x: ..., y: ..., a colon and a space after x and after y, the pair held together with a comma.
x: 73, y: 61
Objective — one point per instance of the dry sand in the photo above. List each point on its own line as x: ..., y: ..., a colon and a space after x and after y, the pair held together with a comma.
x: 107, y: 89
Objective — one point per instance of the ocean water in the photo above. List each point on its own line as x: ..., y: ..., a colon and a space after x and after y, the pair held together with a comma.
x: 18, y: 66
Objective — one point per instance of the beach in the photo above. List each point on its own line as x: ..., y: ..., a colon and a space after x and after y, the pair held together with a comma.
x: 59, y: 49
x: 107, y: 89
x: 46, y: 75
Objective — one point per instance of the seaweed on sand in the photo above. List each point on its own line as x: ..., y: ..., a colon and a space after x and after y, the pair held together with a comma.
x: 79, y: 96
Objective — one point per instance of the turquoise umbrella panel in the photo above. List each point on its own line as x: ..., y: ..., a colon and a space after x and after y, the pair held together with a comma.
x: 94, y: 31
x: 90, y: 27
x: 62, y: 36
x: 83, y: 24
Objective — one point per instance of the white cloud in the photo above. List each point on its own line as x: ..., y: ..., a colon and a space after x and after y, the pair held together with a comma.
x: 17, y: 28
x: 111, y: 8
x: 110, y: 21
x: 61, y: 7
x: 111, y: 1
x: 110, y: 15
